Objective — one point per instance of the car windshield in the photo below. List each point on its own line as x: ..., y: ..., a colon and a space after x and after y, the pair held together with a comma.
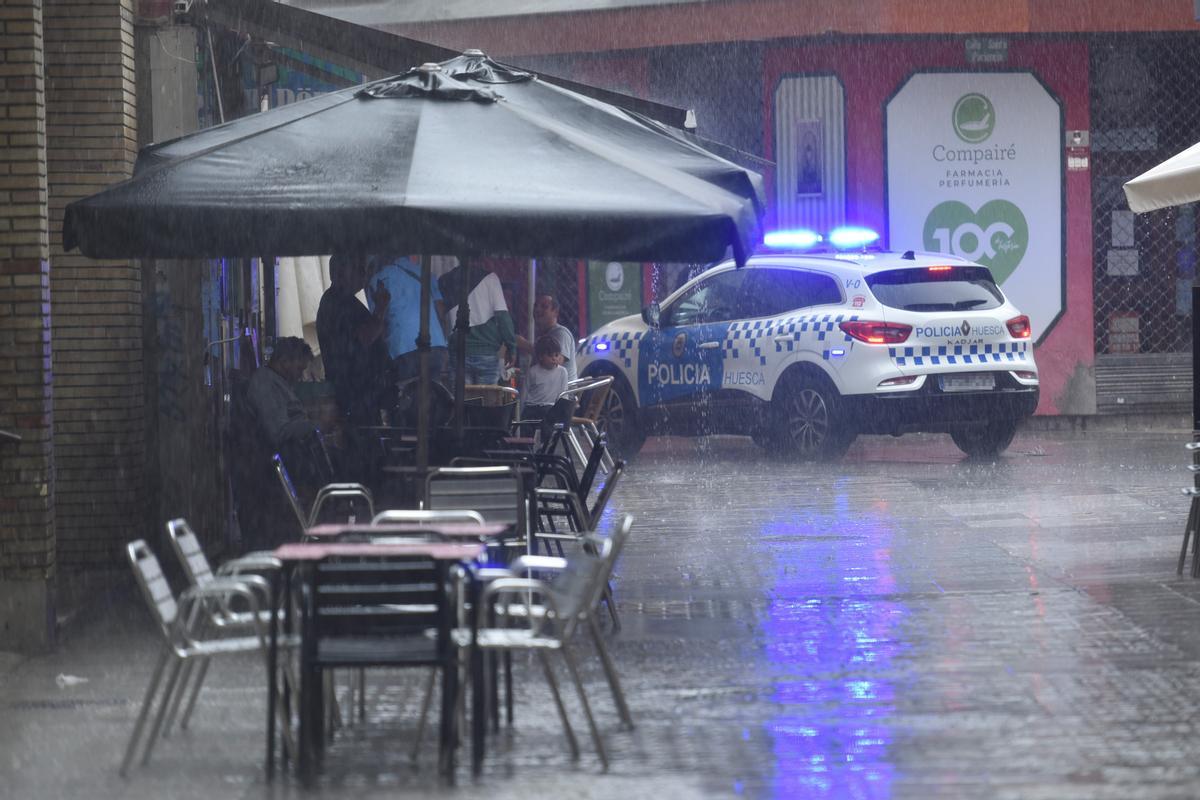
x: 937, y: 289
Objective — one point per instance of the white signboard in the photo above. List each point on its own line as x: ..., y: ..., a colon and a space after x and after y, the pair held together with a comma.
x: 974, y: 168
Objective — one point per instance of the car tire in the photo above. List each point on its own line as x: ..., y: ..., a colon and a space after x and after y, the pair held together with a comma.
x: 809, y: 419
x: 985, y: 441
x: 618, y: 420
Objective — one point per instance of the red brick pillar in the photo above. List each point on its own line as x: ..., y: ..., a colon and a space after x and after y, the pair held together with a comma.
x: 27, y: 542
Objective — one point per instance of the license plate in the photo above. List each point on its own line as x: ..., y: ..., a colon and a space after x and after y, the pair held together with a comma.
x: 970, y: 382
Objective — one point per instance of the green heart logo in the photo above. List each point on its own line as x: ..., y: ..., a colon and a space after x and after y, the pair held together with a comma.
x: 996, y: 236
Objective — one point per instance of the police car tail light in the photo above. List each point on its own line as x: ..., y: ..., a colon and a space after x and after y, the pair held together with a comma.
x: 876, y: 332
x: 1019, y: 327
x: 904, y: 380
x: 1026, y: 375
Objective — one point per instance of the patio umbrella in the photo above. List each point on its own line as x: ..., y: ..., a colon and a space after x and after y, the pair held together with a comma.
x: 1172, y: 183
x: 468, y: 158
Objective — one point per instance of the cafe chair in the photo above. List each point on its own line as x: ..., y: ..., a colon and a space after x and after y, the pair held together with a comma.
x: 551, y: 614
x: 496, y: 493
x: 586, y: 425
x: 327, y: 493
x: 197, y: 570
x: 371, y: 612
x: 187, y: 635
x: 608, y: 553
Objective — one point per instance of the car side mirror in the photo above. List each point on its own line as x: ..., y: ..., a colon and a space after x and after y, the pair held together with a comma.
x: 651, y: 314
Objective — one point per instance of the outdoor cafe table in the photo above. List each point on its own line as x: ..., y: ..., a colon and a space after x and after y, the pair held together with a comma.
x: 305, y: 555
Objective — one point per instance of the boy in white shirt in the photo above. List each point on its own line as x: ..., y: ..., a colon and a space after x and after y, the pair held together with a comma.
x: 545, y: 380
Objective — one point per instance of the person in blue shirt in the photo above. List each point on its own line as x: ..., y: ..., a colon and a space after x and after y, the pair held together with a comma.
x: 401, y: 277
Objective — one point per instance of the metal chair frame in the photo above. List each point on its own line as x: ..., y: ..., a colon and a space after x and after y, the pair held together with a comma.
x: 324, y: 495
x: 185, y: 625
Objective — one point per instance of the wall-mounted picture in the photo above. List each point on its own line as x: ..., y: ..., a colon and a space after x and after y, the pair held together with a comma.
x: 808, y: 179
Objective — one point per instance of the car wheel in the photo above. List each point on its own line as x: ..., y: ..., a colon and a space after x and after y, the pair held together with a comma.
x: 809, y: 419
x: 618, y: 421
x: 985, y: 441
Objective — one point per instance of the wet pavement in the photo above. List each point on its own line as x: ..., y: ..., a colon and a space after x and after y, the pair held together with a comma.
x: 903, y: 624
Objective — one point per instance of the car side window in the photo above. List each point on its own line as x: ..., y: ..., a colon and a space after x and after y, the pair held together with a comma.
x: 715, y: 299
x: 777, y: 291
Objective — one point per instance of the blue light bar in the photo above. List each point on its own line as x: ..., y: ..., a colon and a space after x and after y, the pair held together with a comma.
x: 849, y: 237
x: 798, y: 239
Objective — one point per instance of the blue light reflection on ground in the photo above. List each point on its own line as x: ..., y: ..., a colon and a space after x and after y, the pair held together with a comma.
x: 830, y: 633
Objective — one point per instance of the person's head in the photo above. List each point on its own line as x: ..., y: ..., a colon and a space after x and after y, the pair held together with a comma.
x: 291, y: 357
x: 545, y: 312
x: 547, y: 352
x: 348, y: 271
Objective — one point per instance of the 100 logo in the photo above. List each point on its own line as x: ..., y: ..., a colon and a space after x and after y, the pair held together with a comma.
x: 996, y: 235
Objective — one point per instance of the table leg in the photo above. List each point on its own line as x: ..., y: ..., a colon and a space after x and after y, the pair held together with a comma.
x: 478, y: 686
x: 272, y: 661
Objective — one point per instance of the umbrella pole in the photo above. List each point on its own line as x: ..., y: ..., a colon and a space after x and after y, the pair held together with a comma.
x: 461, y: 324
x: 423, y: 355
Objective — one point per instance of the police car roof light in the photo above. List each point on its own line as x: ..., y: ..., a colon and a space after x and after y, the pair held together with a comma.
x: 799, y: 239
x: 850, y: 236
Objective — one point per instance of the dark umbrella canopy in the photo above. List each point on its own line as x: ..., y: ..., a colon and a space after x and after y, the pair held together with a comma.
x: 472, y: 158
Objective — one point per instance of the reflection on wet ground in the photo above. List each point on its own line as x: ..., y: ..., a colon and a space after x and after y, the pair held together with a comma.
x: 903, y: 624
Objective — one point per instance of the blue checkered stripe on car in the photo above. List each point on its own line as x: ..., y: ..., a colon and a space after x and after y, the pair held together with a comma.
x: 621, y: 345
x: 998, y: 353
x: 754, y: 338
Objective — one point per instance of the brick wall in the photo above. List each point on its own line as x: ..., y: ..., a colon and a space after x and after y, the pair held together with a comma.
x: 27, y: 547
x: 99, y: 436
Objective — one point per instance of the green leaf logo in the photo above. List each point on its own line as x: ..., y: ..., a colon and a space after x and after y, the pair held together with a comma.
x: 974, y: 118
x: 996, y: 235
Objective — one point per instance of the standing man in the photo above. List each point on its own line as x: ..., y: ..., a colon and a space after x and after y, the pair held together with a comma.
x: 400, y: 278
x: 351, y: 338
x: 545, y: 323
x: 491, y: 326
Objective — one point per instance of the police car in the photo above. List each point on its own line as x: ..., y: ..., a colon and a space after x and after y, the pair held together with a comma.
x: 805, y: 350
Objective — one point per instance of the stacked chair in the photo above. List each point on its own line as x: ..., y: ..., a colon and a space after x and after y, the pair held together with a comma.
x: 198, y: 626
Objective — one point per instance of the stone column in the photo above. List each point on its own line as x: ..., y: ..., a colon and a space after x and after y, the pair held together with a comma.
x: 27, y: 541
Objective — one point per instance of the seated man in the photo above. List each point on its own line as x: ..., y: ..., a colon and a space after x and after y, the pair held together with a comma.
x: 271, y: 419
x: 273, y: 401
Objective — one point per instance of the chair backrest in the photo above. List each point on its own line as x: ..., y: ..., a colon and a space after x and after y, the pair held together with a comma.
x: 351, y: 495
x: 394, y: 515
x: 376, y: 597
x: 496, y: 493
x: 606, y: 493
x: 289, y: 489
x: 155, y: 589
x: 616, y: 543
x: 575, y: 586
x: 187, y: 549
x: 599, y: 393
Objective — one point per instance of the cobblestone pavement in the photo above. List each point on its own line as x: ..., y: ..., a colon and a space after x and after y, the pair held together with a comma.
x: 904, y: 624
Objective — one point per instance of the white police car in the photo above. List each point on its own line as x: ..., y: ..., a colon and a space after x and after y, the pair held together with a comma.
x: 803, y: 351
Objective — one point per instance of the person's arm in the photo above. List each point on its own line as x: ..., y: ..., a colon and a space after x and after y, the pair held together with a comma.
x: 506, y: 331
x: 524, y: 345
x: 371, y: 329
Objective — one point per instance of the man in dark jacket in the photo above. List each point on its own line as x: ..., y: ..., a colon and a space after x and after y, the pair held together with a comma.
x: 352, y: 347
